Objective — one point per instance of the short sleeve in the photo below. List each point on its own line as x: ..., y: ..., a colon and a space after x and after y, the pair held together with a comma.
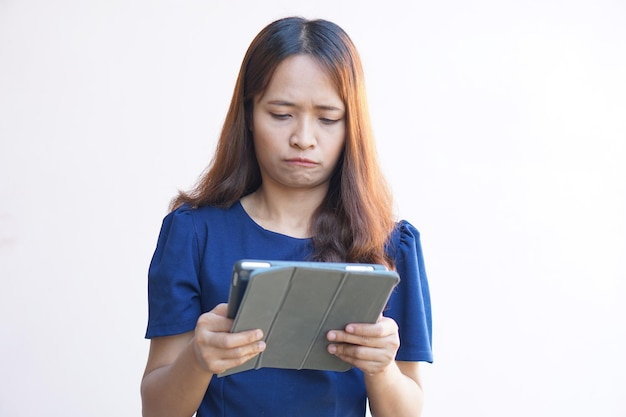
x: 409, y: 304
x: 173, y: 285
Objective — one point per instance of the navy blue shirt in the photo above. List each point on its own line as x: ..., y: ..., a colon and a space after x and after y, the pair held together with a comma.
x: 190, y: 274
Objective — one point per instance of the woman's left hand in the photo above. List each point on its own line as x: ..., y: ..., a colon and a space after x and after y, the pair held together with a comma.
x: 369, y: 347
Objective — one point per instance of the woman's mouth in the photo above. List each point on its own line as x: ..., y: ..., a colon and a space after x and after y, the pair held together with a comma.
x: 304, y: 162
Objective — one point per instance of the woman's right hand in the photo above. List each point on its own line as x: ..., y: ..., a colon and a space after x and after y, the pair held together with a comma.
x: 180, y: 367
x: 216, y: 349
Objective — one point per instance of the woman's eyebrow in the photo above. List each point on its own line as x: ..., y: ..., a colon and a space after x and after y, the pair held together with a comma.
x: 282, y: 103
x: 328, y: 107
x: 290, y: 104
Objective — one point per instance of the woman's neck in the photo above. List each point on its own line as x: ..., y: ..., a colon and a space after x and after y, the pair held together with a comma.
x: 285, y: 213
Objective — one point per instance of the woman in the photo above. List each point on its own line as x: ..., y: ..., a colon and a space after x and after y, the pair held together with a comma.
x: 295, y: 177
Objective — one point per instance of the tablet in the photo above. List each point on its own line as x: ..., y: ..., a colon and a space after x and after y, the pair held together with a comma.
x: 244, y: 268
x: 296, y: 303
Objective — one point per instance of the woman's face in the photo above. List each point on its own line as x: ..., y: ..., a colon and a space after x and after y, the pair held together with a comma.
x: 298, y: 126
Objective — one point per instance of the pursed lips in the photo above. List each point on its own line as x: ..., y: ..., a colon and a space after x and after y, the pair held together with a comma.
x: 301, y: 162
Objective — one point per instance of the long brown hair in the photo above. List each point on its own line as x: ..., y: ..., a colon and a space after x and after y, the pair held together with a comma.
x: 355, y: 219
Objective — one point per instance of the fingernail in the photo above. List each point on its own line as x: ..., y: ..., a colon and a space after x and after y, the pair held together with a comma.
x: 332, y: 349
x: 350, y: 329
x: 332, y: 335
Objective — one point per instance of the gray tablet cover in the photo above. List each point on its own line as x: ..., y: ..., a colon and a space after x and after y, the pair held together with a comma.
x: 296, y: 306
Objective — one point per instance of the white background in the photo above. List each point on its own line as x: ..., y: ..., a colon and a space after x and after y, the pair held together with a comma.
x: 501, y: 127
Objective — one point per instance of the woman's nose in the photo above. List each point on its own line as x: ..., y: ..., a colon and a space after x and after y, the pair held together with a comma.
x: 304, y: 134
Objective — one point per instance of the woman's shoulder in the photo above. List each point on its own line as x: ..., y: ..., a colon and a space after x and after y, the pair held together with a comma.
x: 404, y: 227
x: 205, y: 213
x: 404, y: 233
x: 404, y: 242
x: 188, y: 219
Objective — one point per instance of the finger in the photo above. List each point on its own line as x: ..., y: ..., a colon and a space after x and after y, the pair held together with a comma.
x: 239, y: 353
x: 225, y: 340
x: 218, y: 360
x: 239, y: 360
x: 340, y: 336
x: 246, y: 352
x: 240, y: 339
x: 384, y: 326
x: 214, y: 347
x: 214, y: 322
x: 367, y: 359
x: 355, y: 352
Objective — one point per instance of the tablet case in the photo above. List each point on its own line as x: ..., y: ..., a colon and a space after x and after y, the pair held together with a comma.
x: 297, y: 303
x: 244, y: 267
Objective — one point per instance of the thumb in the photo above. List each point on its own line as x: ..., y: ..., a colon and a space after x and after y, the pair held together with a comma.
x: 220, y: 309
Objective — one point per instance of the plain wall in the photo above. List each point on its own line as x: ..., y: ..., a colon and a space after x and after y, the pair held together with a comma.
x: 501, y: 127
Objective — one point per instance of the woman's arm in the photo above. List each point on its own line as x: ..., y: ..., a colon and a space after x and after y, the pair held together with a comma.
x: 393, y: 387
x: 180, y: 367
x: 396, y: 392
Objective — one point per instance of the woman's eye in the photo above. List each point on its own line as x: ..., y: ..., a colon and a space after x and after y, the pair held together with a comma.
x: 280, y: 116
x: 328, y: 121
